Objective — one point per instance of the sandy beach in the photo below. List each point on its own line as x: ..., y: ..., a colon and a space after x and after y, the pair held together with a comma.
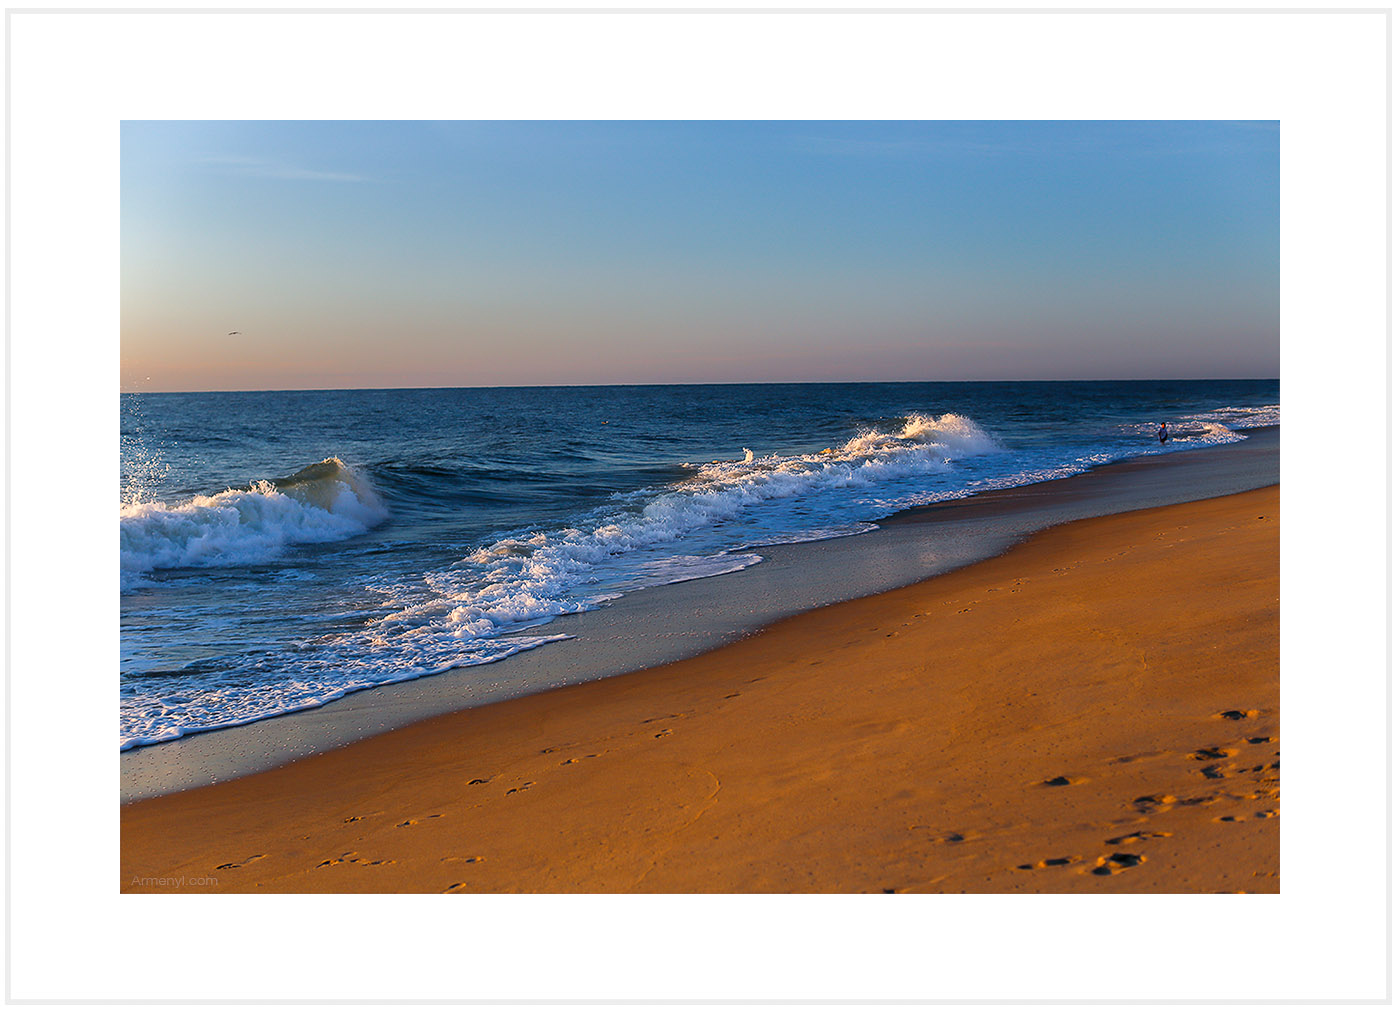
x: 1095, y: 710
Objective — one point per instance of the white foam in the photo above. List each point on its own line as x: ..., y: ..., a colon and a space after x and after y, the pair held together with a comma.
x: 185, y: 706
x: 677, y: 569
x: 528, y: 578
x: 327, y: 502
x: 1213, y: 427
x: 1235, y: 417
x: 473, y: 612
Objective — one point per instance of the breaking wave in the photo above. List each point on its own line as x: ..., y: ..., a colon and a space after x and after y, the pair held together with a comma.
x: 530, y: 576
x: 325, y: 502
x: 479, y: 596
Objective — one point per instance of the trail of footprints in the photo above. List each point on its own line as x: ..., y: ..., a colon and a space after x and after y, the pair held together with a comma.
x: 1221, y: 767
x: 353, y: 857
x: 1110, y: 864
x: 1265, y: 773
x: 1105, y: 865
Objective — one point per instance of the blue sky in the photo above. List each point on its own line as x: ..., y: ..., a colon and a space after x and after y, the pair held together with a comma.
x: 407, y: 254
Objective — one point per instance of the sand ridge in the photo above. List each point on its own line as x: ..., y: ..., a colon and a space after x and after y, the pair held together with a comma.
x: 1094, y: 711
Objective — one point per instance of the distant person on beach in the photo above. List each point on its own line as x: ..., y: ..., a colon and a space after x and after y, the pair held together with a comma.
x: 1162, y: 433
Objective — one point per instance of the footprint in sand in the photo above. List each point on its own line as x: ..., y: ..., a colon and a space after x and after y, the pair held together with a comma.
x: 245, y: 862
x: 1136, y: 836
x: 1213, y: 753
x: 478, y: 781
x: 1166, y: 801
x: 1061, y: 780
x: 1235, y: 716
x: 1117, y: 863
x: 519, y: 788
x: 462, y: 859
x: 1046, y: 864
x: 1231, y: 818
x: 1154, y: 804
x: 414, y: 820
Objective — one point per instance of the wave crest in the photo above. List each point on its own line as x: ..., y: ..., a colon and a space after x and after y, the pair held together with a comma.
x: 325, y: 502
x: 949, y: 435
x: 526, y: 578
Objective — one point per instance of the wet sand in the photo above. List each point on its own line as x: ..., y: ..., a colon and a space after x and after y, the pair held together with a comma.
x: 1094, y: 710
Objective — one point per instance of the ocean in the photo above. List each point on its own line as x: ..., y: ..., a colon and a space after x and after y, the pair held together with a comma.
x: 282, y: 549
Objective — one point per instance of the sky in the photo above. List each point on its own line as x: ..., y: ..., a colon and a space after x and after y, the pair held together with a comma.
x: 356, y: 254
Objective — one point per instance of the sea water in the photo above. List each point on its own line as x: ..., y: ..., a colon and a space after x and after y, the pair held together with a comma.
x: 282, y: 549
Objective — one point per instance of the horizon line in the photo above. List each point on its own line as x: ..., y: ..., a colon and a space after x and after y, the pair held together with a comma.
x: 717, y: 383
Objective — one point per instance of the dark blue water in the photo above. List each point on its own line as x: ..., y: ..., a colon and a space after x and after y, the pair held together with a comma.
x: 280, y: 549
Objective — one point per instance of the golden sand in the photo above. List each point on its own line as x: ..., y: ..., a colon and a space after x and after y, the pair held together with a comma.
x: 1096, y: 710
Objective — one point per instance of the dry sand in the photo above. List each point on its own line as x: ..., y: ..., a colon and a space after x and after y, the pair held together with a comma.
x: 1094, y: 711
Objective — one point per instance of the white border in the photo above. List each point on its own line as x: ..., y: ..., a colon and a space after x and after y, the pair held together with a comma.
x: 75, y: 76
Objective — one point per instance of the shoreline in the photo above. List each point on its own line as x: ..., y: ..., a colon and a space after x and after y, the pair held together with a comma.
x: 1117, y: 741
x: 668, y: 623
